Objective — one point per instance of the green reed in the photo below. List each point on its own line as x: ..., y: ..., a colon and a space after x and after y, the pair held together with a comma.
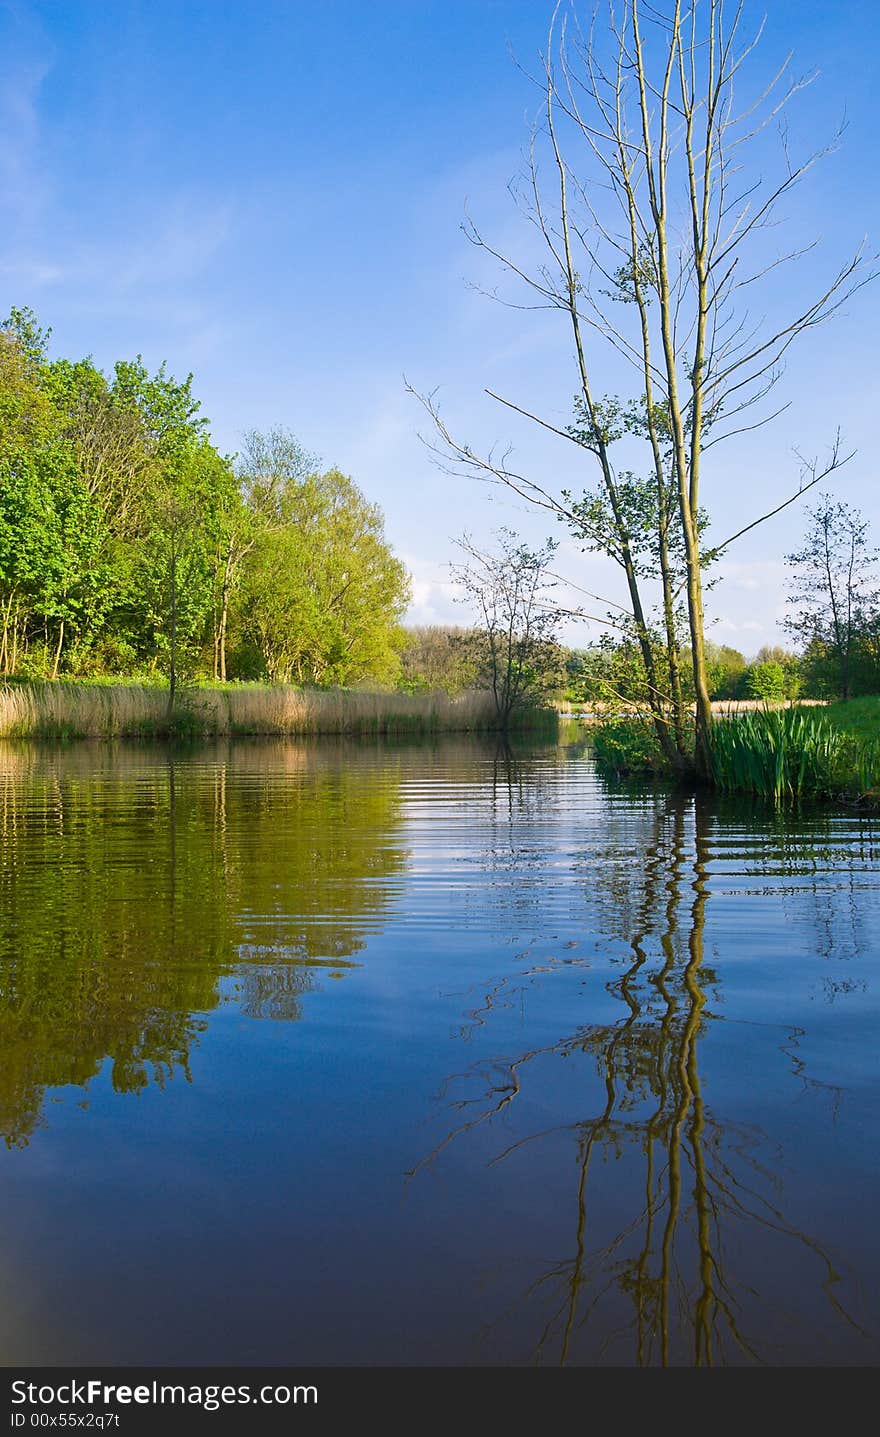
x: 792, y: 753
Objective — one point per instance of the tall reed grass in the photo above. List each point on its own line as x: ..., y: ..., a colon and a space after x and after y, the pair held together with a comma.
x: 68, y: 710
x: 792, y: 753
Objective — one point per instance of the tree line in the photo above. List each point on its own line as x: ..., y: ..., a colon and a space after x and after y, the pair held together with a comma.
x: 833, y: 616
x: 131, y: 546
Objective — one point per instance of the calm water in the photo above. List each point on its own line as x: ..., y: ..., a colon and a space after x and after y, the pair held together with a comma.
x: 364, y: 1054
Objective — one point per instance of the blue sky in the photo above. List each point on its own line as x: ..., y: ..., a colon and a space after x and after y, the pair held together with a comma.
x: 270, y: 195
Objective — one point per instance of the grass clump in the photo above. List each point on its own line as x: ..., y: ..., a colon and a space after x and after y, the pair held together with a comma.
x: 793, y: 753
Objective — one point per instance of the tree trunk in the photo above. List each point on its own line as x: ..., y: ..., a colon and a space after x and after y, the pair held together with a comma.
x: 702, y: 704
x: 58, y: 650
x: 172, y: 671
x: 4, y: 643
x: 224, y: 613
x: 13, y: 663
x: 672, y: 645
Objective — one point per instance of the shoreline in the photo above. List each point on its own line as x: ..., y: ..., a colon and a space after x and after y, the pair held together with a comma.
x: 62, y: 710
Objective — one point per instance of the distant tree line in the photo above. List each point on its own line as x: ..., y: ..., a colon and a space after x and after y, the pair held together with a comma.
x: 833, y: 614
x: 130, y: 545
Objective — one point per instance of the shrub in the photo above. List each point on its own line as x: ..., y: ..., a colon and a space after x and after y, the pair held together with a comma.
x: 628, y: 746
x: 765, y: 681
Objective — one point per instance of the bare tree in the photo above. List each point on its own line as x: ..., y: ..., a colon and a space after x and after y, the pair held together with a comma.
x: 655, y: 244
x: 834, y: 587
x: 509, y: 590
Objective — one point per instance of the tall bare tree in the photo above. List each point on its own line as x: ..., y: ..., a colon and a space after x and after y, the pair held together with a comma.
x: 655, y: 242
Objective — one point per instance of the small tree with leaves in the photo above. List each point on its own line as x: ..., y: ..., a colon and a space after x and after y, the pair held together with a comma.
x: 833, y: 591
x: 510, y: 590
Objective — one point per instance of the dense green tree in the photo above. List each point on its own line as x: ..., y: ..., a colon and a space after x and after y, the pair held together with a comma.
x: 789, y: 663
x: 267, y: 466
x: 130, y: 544
x: 765, y: 681
x: 322, y: 594
x: 725, y: 667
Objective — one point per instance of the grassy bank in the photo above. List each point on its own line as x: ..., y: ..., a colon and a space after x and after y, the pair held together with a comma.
x: 860, y: 717
x: 799, y: 752
x: 795, y: 753
x: 68, y: 710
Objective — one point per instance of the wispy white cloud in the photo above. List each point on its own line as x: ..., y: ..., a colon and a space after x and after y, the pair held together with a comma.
x: 32, y: 273
x: 434, y: 594
x: 24, y: 182
x: 167, y: 248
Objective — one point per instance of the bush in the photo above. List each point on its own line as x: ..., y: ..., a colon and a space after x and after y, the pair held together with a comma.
x: 766, y: 681
x: 628, y: 746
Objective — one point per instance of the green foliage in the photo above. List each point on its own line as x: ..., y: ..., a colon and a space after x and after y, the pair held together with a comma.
x: 820, y: 664
x: 725, y: 668
x: 792, y: 753
x: 791, y: 665
x: 765, y: 681
x: 130, y: 545
x: 322, y: 593
x: 628, y: 747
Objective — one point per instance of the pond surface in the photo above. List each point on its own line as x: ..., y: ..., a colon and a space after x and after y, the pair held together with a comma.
x: 340, y: 1053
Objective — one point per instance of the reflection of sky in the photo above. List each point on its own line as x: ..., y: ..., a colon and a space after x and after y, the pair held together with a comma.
x: 523, y: 925
x: 274, y: 203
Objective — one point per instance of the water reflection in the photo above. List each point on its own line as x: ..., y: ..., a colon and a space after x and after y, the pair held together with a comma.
x: 652, y: 1024
x: 132, y: 882
x: 689, y: 1189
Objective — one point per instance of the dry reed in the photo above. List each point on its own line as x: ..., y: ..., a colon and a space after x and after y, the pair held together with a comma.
x: 69, y: 710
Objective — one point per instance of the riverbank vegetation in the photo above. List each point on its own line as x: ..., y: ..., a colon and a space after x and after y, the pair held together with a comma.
x: 130, y: 546
x: 791, y: 752
x: 64, y: 710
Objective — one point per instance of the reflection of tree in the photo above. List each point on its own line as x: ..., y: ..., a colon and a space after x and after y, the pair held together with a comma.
x: 663, y: 1288
x: 131, y: 883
